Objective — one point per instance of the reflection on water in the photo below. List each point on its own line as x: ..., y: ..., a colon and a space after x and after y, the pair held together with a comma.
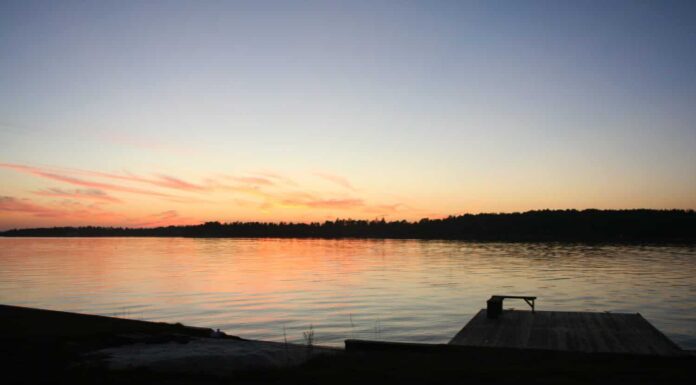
x: 399, y: 290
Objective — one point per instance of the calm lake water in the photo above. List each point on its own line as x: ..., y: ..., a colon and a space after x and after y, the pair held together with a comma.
x: 398, y: 290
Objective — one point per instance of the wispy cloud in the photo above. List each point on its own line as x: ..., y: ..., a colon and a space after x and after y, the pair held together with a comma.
x: 8, y: 203
x: 296, y: 199
x: 171, y: 182
x: 337, y: 179
x: 164, y: 218
x: 176, y: 183
x: 160, y: 180
x: 79, y: 182
x: 336, y: 203
x: 69, y: 210
x: 243, y: 189
x: 276, y: 177
x: 252, y: 180
x: 392, y: 208
x: 341, y: 204
x: 92, y: 194
x: 264, y: 191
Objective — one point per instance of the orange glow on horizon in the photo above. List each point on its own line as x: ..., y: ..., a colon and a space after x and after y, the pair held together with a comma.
x: 76, y: 197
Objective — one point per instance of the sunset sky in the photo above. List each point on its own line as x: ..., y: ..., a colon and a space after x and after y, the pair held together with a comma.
x: 158, y: 113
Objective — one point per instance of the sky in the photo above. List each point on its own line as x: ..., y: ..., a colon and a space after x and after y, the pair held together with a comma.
x: 131, y: 113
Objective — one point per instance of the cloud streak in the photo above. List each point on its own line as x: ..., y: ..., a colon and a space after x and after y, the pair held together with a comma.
x: 72, y: 213
x: 336, y: 179
x: 162, y: 180
x: 165, y: 218
x: 340, y: 204
x: 253, y: 180
x: 393, y: 208
x: 266, y: 192
x: 50, y: 174
x: 91, y: 194
x: 74, y: 210
x: 175, y: 183
x: 21, y: 206
x: 90, y: 184
x: 276, y: 177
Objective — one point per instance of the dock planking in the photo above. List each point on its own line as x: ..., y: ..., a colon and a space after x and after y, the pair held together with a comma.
x: 567, y: 331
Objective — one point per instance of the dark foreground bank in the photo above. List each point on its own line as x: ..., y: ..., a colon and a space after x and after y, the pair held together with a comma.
x: 39, y: 346
x: 654, y: 226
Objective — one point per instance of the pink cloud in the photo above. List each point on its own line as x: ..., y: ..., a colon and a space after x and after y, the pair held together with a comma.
x: 176, y: 183
x: 161, y: 181
x: 72, y: 213
x: 68, y: 210
x: 165, y: 218
x: 339, y: 180
x: 99, y: 185
x: 92, y: 194
x: 79, y: 182
x: 262, y: 192
x: 20, y: 205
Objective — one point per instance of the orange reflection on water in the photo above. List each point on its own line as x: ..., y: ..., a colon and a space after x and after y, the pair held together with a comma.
x: 405, y: 290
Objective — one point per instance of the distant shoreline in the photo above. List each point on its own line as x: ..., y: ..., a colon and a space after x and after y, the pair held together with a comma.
x: 647, y: 242
x: 563, y: 226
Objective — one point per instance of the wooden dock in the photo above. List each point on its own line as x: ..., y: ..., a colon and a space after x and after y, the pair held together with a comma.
x: 568, y: 332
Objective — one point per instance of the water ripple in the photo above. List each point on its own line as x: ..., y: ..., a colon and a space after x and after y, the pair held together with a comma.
x: 401, y: 290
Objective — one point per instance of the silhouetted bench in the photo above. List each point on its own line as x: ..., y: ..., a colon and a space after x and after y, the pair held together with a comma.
x: 495, y: 304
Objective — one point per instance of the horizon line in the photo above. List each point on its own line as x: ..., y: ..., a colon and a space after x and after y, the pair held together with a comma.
x: 374, y: 220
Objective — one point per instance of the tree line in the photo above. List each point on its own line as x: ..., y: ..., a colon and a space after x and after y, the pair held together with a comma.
x: 640, y: 225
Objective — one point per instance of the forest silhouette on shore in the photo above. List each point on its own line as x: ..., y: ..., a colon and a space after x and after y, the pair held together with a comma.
x: 640, y: 225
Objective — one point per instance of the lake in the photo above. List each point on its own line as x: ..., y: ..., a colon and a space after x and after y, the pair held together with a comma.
x: 396, y: 290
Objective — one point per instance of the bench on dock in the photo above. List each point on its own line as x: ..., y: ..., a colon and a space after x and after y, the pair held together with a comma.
x: 495, y: 304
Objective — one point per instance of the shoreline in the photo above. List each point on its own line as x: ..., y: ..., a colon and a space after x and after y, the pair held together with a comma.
x: 82, y: 348
x: 588, y: 225
x: 647, y: 242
